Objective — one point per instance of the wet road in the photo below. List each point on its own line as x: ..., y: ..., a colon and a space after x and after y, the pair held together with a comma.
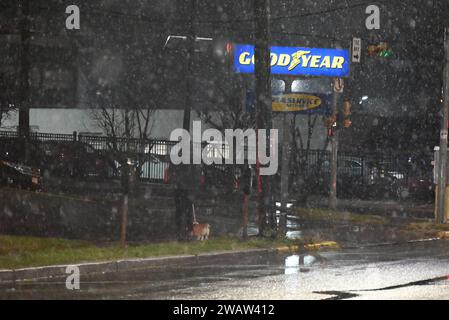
x: 410, y: 271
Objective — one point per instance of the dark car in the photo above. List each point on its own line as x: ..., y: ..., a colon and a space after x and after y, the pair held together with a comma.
x: 20, y: 176
x: 419, y: 187
x: 12, y: 150
x: 76, y: 159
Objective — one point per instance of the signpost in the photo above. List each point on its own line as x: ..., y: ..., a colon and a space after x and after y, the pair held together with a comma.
x: 442, y: 163
x: 338, y: 89
x: 356, y: 50
x: 299, y: 61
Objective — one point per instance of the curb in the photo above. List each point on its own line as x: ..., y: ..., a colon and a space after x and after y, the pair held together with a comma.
x: 11, y: 276
x: 310, y: 246
x: 320, y: 245
x: 443, y: 235
x: 384, y: 244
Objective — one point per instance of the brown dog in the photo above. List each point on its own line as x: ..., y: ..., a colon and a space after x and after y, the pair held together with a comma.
x: 200, y: 231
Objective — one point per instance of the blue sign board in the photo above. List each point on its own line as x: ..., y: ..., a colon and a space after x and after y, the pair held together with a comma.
x: 296, y: 61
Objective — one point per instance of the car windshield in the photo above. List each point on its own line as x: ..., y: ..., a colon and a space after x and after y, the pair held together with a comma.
x: 236, y: 150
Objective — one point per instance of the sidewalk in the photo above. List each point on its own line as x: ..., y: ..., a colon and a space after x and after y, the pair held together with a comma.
x: 11, y: 276
x: 389, y: 208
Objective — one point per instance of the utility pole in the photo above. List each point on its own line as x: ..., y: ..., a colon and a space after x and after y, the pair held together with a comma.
x: 190, y: 66
x: 442, y: 163
x: 24, y: 78
x: 184, y: 173
x: 285, y: 171
x: 263, y: 103
x: 334, y: 149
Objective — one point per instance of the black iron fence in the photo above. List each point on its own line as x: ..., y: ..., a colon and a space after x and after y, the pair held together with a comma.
x: 152, y: 155
x: 357, y: 173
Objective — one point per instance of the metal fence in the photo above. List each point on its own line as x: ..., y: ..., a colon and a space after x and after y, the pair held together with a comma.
x: 356, y: 165
x: 153, y: 155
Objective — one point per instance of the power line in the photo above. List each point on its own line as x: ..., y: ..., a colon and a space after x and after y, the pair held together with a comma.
x: 148, y: 19
x: 140, y: 17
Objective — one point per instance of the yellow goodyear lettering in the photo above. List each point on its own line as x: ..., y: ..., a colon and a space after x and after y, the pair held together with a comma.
x: 244, y: 58
x: 301, y: 58
x: 338, y: 63
x: 296, y: 59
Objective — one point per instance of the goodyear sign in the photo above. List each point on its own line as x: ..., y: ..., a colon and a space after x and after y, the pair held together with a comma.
x: 300, y: 103
x: 296, y: 61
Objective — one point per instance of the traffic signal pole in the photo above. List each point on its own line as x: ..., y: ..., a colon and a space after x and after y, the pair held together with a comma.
x: 334, y: 155
x: 442, y: 163
x: 285, y: 168
x: 263, y: 104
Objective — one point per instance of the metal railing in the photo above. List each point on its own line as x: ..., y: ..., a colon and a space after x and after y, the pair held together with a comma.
x: 153, y: 157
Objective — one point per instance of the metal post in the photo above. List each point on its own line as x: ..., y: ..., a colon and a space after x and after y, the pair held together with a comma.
x: 263, y: 101
x: 334, y: 157
x: 125, y: 207
x: 190, y: 66
x: 245, y: 215
x: 124, y: 220
x: 442, y: 163
x: 24, y: 107
x: 285, y: 172
x: 184, y: 173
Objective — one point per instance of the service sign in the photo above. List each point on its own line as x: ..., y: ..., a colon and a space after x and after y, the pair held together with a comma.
x: 295, y: 102
x: 296, y: 61
x: 298, y: 103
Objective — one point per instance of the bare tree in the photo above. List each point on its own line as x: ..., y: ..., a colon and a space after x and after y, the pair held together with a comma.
x: 5, y: 111
x: 230, y: 114
x: 7, y: 105
x: 128, y: 129
x: 124, y: 109
x: 304, y: 175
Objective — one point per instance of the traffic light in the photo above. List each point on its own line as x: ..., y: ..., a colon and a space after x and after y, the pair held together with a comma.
x: 347, y: 123
x: 329, y: 121
x: 381, y: 49
x: 347, y: 108
x: 223, y: 50
x: 347, y: 112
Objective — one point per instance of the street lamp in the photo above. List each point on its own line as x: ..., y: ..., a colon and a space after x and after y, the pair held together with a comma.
x: 179, y: 43
x: 364, y: 98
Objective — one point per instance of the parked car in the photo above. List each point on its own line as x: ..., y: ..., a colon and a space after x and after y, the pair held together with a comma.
x: 21, y: 176
x: 76, y: 159
x: 12, y: 150
x: 418, y: 185
x: 9, y: 148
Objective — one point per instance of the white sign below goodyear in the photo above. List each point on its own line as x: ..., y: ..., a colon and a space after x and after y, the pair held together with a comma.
x: 297, y: 103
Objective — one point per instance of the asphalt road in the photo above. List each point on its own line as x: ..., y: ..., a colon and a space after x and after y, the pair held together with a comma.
x: 409, y: 271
